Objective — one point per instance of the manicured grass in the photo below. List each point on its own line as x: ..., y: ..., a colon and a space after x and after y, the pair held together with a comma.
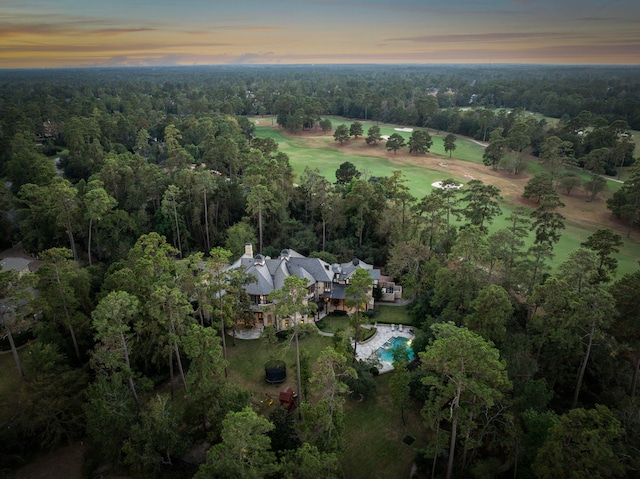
x: 392, y: 315
x: 324, y: 153
x: 374, y: 433
x: 332, y: 324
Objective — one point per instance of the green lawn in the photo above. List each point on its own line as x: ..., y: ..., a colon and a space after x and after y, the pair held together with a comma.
x: 392, y: 315
x: 374, y: 433
x: 332, y: 324
x: 248, y: 357
x: 324, y: 153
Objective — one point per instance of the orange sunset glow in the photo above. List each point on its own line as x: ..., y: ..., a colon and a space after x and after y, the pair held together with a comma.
x: 74, y: 33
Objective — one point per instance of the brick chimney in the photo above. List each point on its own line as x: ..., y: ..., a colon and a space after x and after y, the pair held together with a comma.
x: 248, y: 250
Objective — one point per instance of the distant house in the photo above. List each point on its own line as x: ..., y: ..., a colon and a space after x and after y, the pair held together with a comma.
x: 19, y: 265
x: 326, y: 282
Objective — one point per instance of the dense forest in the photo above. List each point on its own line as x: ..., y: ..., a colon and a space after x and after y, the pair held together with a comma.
x: 136, y: 187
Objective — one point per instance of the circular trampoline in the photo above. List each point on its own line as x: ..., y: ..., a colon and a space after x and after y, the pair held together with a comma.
x: 275, y: 371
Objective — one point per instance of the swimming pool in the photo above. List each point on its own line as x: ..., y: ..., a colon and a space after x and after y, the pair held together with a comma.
x: 385, y: 352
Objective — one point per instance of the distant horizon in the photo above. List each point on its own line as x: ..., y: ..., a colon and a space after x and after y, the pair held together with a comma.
x: 275, y: 65
x: 91, y: 33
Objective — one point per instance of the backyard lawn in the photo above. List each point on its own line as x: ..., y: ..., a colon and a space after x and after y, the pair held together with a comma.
x: 248, y: 357
x: 373, y: 427
x: 334, y: 323
x: 392, y: 315
x: 374, y: 433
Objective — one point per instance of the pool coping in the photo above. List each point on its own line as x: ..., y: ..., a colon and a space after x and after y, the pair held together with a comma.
x: 384, y: 332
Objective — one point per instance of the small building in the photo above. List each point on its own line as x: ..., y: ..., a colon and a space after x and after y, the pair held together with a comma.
x: 19, y: 265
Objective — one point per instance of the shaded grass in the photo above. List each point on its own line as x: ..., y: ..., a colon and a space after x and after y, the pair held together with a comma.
x: 374, y: 432
x: 332, y: 324
x: 248, y: 357
x: 10, y: 385
x: 373, y: 428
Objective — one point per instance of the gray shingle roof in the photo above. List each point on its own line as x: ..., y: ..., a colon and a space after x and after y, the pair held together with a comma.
x: 271, y: 273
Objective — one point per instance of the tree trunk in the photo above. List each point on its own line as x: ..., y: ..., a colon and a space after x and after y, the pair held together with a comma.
x: 355, y: 342
x: 125, y: 350
x: 73, y: 338
x: 324, y: 233
x: 180, y: 369
x: 435, y: 453
x: 175, y: 214
x: 583, y: 366
x: 635, y: 377
x: 454, y: 429
x: 68, y: 318
x: 298, y: 373
x: 224, y: 340
x: 14, y: 352
x: 452, y: 445
x: 89, y: 246
x: 72, y: 241
x: 171, y: 370
x: 206, y: 220
x: 260, y: 227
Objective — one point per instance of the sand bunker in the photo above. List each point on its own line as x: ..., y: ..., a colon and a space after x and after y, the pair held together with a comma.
x: 438, y: 184
x: 405, y: 130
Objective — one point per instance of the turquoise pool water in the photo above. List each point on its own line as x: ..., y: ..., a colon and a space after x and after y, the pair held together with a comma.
x: 385, y: 353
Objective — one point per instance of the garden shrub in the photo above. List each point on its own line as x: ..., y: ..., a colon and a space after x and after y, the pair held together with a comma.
x: 366, y: 333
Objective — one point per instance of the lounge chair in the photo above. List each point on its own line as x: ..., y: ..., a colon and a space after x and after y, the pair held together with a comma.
x: 399, y: 327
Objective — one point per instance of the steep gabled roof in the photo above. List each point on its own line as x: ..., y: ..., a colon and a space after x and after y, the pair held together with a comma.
x: 347, y: 269
x: 263, y: 284
x: 270, y: 273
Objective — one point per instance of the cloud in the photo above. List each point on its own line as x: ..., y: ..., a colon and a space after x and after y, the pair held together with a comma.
x: 252, y: 58
x: 112, y: 32
x: 106, y: 48
x: 485, y: 37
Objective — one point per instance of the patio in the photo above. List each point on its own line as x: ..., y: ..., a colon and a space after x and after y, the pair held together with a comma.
x: 384, y: 333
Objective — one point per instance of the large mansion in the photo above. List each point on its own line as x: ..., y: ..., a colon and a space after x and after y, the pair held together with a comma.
x: 326, y: 282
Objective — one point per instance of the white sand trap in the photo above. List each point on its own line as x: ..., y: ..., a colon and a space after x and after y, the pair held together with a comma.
x: 438, y: 184
x: 405, y: 130
x: 385, y: 137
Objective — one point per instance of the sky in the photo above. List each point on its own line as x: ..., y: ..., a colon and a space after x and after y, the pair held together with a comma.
x: 88, y: 33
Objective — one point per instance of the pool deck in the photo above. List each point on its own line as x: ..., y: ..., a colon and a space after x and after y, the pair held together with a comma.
x: 384, y: 333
